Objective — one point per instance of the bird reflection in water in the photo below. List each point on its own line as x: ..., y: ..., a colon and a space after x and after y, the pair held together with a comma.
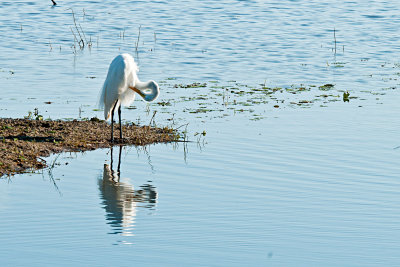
x: 120, y: 199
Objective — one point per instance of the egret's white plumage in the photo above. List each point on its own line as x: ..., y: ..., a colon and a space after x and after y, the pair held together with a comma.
x: 121, y: 84
x: 121, y: 75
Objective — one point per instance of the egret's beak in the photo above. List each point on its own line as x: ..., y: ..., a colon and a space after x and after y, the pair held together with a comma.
x: 137, y: 91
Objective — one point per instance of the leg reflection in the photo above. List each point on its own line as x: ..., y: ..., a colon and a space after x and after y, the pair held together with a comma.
x: 120, y: 199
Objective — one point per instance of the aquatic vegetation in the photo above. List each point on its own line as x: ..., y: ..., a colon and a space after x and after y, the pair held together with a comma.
x: 79, y: 35
x: 346, y: 96
x: 34, y: 116
x: 164, y: 103
x: 326, y: 87
x: 192, y: 85
x: 219, y: 99
x: 338, y: 64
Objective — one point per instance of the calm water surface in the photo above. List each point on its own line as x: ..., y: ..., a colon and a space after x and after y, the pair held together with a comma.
x: 274, y: 182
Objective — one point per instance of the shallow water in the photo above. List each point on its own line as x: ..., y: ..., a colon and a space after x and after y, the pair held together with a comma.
x: 306, y: 184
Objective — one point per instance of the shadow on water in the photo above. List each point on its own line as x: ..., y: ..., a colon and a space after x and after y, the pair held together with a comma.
x: 121, y: 200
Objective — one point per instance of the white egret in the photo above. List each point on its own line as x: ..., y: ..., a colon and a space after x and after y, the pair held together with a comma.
x: 120, y: 86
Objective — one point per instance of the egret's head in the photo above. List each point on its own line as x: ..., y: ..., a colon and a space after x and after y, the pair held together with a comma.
x: 151, y: 92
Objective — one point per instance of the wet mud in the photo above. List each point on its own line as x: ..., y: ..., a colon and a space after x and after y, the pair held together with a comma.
x: 25, y: 142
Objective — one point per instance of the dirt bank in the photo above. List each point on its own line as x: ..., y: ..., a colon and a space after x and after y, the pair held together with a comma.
x: 23, y: 142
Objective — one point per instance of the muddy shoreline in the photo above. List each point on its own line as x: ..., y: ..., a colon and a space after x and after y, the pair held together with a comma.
x: 23, y: 142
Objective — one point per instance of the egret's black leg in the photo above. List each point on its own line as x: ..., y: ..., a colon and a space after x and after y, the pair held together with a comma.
x: 112, y: 125
x: 111, y: 156
x: 119, y: 162
x: 120, y: 123
x: 112, y: 121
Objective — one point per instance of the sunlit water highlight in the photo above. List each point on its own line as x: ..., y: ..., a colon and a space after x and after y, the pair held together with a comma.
x: 297, y: 185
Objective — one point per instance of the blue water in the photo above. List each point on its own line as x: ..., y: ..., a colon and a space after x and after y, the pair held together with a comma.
x: 295, y: 185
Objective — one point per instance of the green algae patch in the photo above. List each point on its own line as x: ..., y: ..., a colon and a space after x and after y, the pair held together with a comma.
x: 192, y: 85
x: 326, y: 87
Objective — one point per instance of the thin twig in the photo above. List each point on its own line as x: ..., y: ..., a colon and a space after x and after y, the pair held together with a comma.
x: 334, y: 36
x: 186, y: 124
x: 138, y: 38
x: 154, y: 114
x: 75, y: 39
x: 50, y: 173
x: 83, y: 33
x: 81, y: 42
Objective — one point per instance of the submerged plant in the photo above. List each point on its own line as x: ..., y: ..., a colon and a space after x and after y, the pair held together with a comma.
x: 346, y: 96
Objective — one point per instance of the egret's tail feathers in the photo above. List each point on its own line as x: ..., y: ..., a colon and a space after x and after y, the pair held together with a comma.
x: 108, y: 108
x: 101, y: 101
x: 102, y: 95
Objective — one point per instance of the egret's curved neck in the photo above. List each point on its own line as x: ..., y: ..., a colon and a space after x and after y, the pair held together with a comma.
x: 149, y: 90
x: 142, y: 85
